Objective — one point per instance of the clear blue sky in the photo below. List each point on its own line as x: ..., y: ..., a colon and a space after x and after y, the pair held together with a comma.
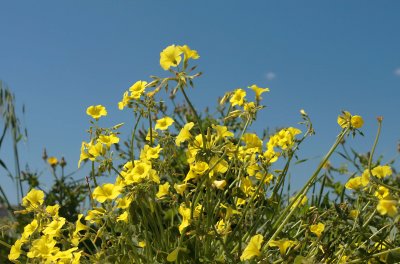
x: 59, y: 57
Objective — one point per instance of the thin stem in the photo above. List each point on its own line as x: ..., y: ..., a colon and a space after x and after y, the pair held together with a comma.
x: 371, y: 157
x: 197, y: 117
x: 374, y: 146
x: 133, y: 138
x: 285, y: 216
x: 360, y: 260
x: 93, y: 175
x: 151, y: 129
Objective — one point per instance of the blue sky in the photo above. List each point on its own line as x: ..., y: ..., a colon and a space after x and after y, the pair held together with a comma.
x: 59, y: 57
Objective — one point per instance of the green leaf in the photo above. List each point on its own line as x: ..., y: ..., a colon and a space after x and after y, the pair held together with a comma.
x: 301, y: 161
x: 2, y: 164
x: 173, y: 256
x: 303, y: 260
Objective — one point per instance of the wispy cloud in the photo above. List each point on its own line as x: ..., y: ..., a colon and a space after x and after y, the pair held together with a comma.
x: 397, y: 72
x: 270, y: 75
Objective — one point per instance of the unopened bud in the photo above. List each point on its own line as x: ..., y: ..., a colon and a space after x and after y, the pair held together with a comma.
x: 44, y: 155
x: 63, y: 163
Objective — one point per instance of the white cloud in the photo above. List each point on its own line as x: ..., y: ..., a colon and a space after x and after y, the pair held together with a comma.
x: 397, y: 72
x: 270, y: 75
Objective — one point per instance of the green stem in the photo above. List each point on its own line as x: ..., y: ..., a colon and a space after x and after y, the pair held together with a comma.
x: 93, y: 175
x: 288, y: 212
x: 133, y: 138
x: 197, y: 117
x: 360, y: 260
x: 151, y: 129
x: 4, y: 244
x: 374, y: 146
x: 371, y: 157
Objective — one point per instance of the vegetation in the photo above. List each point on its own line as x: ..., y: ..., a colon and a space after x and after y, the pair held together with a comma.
x: 193, y: 187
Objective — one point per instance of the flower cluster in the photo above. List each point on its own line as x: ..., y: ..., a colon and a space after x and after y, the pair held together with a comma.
x: 48, y: 237
x: 190, y: 188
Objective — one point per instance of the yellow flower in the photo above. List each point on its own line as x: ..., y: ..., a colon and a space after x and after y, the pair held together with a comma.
x: 252, y: 141
x: 365, y: 178
x: 137, y: 89
x: 197, y: 169
x: 124, y: 202
x: 381, y: 171
x: 238, y: 97
x: 108, y: 140
x: 354, y: 213
x: 188, y: 53
x: 200, y: 167
x: 271, y: 156
x: 253, y: 248
x: 268, y: 179
x: 220, y: 167
x: 95, y: 214
x: 79, y: 226
x: 317, y: 229
x: 344, y: 259
x: 33, y: 199
x: 184, y: 134
x: 90, y: 151
x: 354, y: 183
x: 222, y: 227
x: 77, y: 257
x: 163, y: 190
x: 246, y: 186
x: 258, y: 91
x: 357, y: 121
x: 140, y: 172
x: 15, y: 250
x: 222, y: 131
x: 84, y: 155
x: 180, y: 188
x: 284, y: 138
x: 164, y: 123
x: 302, y: 200
x: 125, y: 101
x: 283, y: 244
x: 170, y: 57
x: 142, y: 244
x: 123, y: 217
x: 149, y: 153
x: 96, y: 150
x: 249, y: 107
x: 65, y: 256
x: 53, y: 210
x: 29, y: 229
x: 54, y: 227
x: 387, y: 206
x: 240, y: 202
x: 229, y: 211
x: 153, y: 176
x: 44, y: 247
x: 53, y: 161
x: 96, y: 111
x: 344, y: 119
x: 107, y: 191
x: 185, y: 213
x: 153, y: 133
x: 219, y: 184
x: 382, y: 192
